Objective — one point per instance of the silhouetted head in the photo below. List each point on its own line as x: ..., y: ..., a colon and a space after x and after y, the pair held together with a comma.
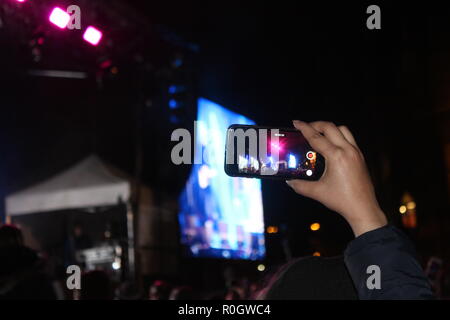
x: 78, y: 229
x: 312, y: 278
x: 10, y: 236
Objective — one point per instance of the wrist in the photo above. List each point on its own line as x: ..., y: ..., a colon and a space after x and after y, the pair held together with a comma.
x: 366, y: 221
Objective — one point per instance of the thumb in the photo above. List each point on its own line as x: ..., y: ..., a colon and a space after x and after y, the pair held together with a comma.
x: 306, y: 188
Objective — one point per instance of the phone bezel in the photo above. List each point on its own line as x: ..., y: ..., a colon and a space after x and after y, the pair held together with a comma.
x: 232, y: 171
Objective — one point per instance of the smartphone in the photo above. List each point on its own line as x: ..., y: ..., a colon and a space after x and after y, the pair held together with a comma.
x: 270, y: 152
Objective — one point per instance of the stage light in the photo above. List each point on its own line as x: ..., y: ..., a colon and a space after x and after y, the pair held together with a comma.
x: 261, y: 267
x: 254, y: 163
x: 106, y: 64
x: 20, y: 1
x: 177, y: 61
x: 314, y: 226
x: 309, y: 172
x: 173, y: 104
x: 204, y: 176
x: 243, y: 162
x: 316, y: 254
x: 59, y: 17
x: 172, y: 89
x: 92, y: 35
x: 276, y: 146
x: 292, y: 162
x: 402, y: 209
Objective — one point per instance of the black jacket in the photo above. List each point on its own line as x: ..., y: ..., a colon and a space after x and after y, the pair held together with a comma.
x: 401, y: 276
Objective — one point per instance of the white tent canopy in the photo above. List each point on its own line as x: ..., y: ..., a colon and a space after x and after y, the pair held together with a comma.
x: 87, y: 184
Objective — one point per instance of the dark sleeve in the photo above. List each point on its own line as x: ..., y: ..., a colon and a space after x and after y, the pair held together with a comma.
x: 401, y: 276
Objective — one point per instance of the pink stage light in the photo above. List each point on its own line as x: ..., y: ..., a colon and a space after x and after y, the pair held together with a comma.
x: 92, y: 35
x: 59, y: 17
x: 276, y: 146
x: 20, y: 0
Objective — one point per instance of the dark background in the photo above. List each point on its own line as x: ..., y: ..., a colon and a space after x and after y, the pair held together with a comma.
x: 271, y: 61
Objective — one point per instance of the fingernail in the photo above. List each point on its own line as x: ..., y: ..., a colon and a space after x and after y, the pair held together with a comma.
x: 288, y: 183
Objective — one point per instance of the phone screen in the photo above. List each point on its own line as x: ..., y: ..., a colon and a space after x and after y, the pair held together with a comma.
x: 267, y: 152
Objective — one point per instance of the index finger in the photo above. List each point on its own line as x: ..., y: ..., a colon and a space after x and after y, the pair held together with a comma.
x: 318, y: 141
x: 330, y: 131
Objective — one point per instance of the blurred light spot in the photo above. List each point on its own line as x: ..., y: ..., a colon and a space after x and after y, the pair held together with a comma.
x: 272, y: 229
x: 173, y: 104
x: 402, y: 209
x: 292, y: 163
x: 204, y: 176
x: 314, y: 226
x: 172, y: 89
x: 411, y: 205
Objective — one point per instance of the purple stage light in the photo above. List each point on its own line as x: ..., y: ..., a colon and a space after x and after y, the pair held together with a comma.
x: 59, y: 17
x: 92, y: 35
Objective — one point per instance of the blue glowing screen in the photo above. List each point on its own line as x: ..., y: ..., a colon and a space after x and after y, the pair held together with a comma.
x: 220, y: 216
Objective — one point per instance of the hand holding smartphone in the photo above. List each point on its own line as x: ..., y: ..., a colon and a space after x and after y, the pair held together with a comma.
x: 345, y: 186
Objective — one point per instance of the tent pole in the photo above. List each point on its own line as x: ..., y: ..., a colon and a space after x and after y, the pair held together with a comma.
x: 130, y: 238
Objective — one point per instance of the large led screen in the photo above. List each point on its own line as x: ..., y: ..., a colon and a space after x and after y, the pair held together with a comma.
x: 220, y: 216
